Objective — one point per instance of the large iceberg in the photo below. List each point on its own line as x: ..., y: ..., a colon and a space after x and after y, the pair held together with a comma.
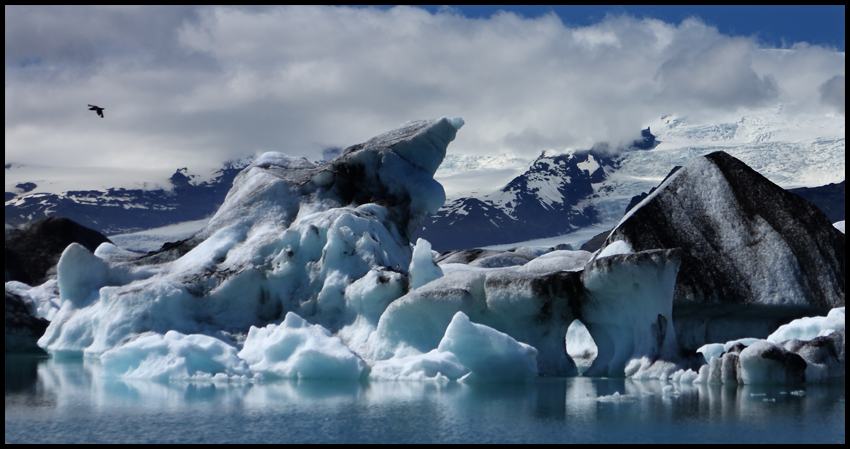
x: 625, y: 301
x: 754, y: 255
x: 328, y: 242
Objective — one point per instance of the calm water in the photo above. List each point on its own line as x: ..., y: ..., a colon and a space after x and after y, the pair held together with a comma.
x: 69, y: 402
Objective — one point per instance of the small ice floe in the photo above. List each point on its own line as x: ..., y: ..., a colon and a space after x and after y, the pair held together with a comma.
x: 800, y: 393
x: 757, y: 395
x: 769, y: 400
x: 615, y: 398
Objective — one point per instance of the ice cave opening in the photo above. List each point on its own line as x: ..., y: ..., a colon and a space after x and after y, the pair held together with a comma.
x: 580, y: 346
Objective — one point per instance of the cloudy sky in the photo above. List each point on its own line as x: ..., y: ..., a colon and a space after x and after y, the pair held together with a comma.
x: 196, y: 86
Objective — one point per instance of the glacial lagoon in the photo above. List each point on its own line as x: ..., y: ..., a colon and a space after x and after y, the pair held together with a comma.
x: 54, y: 401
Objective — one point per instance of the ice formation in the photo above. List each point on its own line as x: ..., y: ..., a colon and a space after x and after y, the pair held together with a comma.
x: 296, y: 349
x: 174, y: 356
x: 489, y: 354
x: 809, y: 328
x: 328, y: 242
x: 625, y: 301
x: 422, y: 268
x: 468, y: 352
x: 805, y: 350
x: 717, y: 349
x: 580, y: 346
x: 307, y: 271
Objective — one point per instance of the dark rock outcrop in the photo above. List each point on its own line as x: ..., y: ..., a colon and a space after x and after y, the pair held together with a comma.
x: 828, y: 198
x: 824, y: 355
x: 22, y: 329
x: 32, y: 250
x: 596, y: 242
x: 755, y: 256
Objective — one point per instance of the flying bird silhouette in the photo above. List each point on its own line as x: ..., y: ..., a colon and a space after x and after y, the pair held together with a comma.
x: 97, y: 109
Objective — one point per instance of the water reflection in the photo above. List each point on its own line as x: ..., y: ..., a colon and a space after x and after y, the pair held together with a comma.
x: 546, y: 410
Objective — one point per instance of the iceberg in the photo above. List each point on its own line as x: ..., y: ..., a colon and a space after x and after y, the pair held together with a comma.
x: 291, y: 236
x: 754, y: 255
x: 780, y: 359
x: 625, y: 302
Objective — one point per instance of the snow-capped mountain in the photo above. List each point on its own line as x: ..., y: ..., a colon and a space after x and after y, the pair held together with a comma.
x: 118, y: 211
x: 506, y: 198
x: 543, y: 201
x: 557, y: 195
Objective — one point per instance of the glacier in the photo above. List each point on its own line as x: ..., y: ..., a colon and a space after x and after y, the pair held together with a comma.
x: 307, y: 271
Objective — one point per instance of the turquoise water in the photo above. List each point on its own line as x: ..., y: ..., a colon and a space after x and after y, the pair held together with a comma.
x: 69, y: 402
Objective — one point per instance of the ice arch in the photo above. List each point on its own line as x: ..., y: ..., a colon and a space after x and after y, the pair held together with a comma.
x: 580, y: 346
x: 625, y: 301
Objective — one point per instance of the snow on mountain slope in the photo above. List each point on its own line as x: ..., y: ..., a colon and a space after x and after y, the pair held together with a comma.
x: 119, y: 210
x: 502, y: 200
x: 153, y: 239
x: 791, y: 150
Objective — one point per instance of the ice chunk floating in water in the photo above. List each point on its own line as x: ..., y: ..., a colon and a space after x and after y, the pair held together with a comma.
x: 298, y: 350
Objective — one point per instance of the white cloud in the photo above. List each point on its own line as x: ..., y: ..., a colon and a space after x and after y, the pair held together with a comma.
x: 832, y: 92
x: 196, y: 86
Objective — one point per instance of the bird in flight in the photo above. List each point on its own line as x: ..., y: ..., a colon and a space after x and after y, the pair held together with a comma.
x: 96, y: 109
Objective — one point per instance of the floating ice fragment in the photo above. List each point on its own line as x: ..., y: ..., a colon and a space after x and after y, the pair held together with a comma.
x: 615, y: 398
x: 422, y: 267
x: 489, y: 354
x: 809, y: 328
x: 298, y: 350
x: 684, y: 377
x: 174, y: 356
x: 717, y: 349
x: 434, y: 366
x: 616, y: 248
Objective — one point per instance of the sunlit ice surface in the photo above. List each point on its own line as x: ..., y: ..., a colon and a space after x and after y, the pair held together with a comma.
x: 50, y: 400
